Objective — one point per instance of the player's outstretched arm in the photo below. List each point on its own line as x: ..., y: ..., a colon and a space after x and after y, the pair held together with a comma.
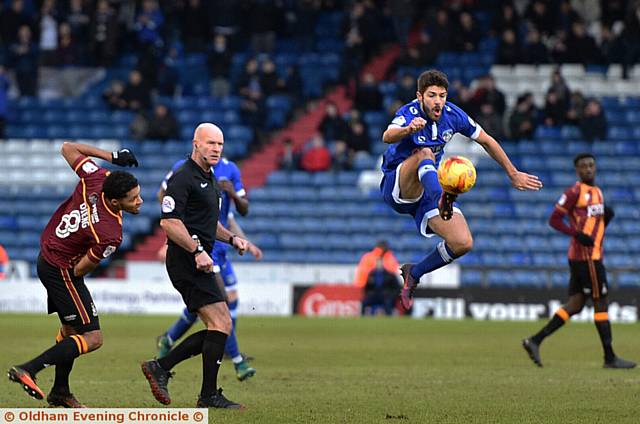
x: 72, y: 151
x: 393, y: 134
x: 519, y: 180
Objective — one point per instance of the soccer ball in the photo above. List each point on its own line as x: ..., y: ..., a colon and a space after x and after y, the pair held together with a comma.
x: 456, y: 174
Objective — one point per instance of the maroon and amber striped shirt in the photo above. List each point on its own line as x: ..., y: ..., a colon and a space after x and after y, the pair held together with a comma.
x: 83, y: 224
x: 584, y: 205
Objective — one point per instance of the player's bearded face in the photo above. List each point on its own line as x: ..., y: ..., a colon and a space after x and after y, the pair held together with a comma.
x: 432, y: 101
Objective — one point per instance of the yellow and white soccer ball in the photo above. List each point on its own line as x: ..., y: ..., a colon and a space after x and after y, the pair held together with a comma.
x: 456, y: 174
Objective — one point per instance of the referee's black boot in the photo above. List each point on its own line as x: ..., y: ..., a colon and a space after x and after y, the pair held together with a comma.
x: 158, y: 379
x: 533, y: 349
x: 217, y: 400
x: 619, y: 363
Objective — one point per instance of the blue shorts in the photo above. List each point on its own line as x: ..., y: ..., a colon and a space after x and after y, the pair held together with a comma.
x: 226, y: 269
x: 421, y: 209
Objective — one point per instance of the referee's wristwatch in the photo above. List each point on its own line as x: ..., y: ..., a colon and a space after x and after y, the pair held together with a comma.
x: 198, y: 250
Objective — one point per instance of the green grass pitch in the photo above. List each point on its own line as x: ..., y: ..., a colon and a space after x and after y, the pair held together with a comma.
x: 374, y: 370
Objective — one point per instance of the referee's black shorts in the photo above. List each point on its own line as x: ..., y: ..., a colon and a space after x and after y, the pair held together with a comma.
x: 197, y: 288
x: 69, y: 297
x: 588, y: 278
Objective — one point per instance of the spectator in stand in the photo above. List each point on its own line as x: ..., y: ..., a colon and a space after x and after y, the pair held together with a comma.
x: 341, y: 159
x: 401, y: 12
x: 139, y: 126
x: 490, y: 120
x: 317, y: 157
x: 48, y: 33
x: 566, y: 16
x: 357, y: 137
x: 269, y: 79
x: 631, y: 40
x: 169, y: 72
x: 249, y: 77
x: 441, y: 30
x: 262, y: 20
x: 611, y: 46
x: 467, y: 36
x: 593, y: 125
x: 575, y: 113
x: 368, y: 263
x: 333, y: 127
x: 541, y: 16
x: 368, y: 96
x: 67, y: 52
x: 103, y: 32
x: 581, y: 47
x: 24, y: 61
x: 535, y: 52
x: 11, y: 20
x: 507, y: 19
x: 219, y: 62
x: 78, y: 19
x: 559, y: 85
x: 487, y: 92
x: 148, y: 26
x: 137, y: 95
x: 4, y: 89
x: 522, y: 123
x: 406, y: 90
x: 195, y: 26
x: 559, y: 50
x: 289, y: 159
x: 113, y: 95
x: 554, y: 110
x: 508, y: 49
x: 162, y: 124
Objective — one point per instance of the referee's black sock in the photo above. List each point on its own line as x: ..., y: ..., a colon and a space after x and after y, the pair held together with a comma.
x: 68, y: 349
x: 559, y: 318
x: 212, y: 351
x: 604, y: 330
x: 191, y: 346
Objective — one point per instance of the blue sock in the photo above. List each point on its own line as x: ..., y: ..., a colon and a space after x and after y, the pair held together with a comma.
x: 182, y: 325
x: 428, y: 175
x: 231, y: 348
x: 437, y: 258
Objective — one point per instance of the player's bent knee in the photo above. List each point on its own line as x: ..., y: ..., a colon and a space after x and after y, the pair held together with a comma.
x: 462, y: 246
x: 426, y: 153
x: 93, y: 339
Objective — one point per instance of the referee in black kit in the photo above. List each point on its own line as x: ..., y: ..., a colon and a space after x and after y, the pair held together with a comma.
x: 190, y: 210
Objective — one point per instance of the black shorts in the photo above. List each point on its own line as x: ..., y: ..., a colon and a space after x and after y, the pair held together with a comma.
x: 588, y: 278
x: 197, y: 288
x: 69, y: 297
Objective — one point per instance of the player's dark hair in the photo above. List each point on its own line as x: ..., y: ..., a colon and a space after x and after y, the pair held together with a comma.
x: 118, y: 184
x: 581, y: 156
x: 432, y: 77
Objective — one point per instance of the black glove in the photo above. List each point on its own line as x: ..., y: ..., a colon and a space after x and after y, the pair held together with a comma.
x: 584, y: 239
x: 608, y: 215
x: 124, y: 157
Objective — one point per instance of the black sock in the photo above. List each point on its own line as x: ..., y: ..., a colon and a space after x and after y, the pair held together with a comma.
x: 604, y: 330
x: 191, y: 346
x: 553, y: 324
x: 212, y: 351
x: 61, y: 382
x: 61, y: 353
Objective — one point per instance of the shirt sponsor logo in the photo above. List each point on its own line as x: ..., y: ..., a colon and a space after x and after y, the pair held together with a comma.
x: 108, y: 251
x: 89, y: 168
x: 168, y: 204
x: 595, y: 210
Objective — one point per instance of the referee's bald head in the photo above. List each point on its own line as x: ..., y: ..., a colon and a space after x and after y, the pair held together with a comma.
x: 207, y: 130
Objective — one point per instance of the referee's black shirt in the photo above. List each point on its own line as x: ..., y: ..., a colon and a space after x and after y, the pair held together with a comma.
x: 193, y: 196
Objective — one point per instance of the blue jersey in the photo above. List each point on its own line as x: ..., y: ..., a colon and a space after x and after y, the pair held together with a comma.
x: 223, y: 170
x: 434, y: 135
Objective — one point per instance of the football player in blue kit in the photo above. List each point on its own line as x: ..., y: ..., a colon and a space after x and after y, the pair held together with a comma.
x: 227, y: 174
x: 417, y: 136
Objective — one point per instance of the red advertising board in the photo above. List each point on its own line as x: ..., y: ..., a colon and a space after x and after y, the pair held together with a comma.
x: 330, y: 300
